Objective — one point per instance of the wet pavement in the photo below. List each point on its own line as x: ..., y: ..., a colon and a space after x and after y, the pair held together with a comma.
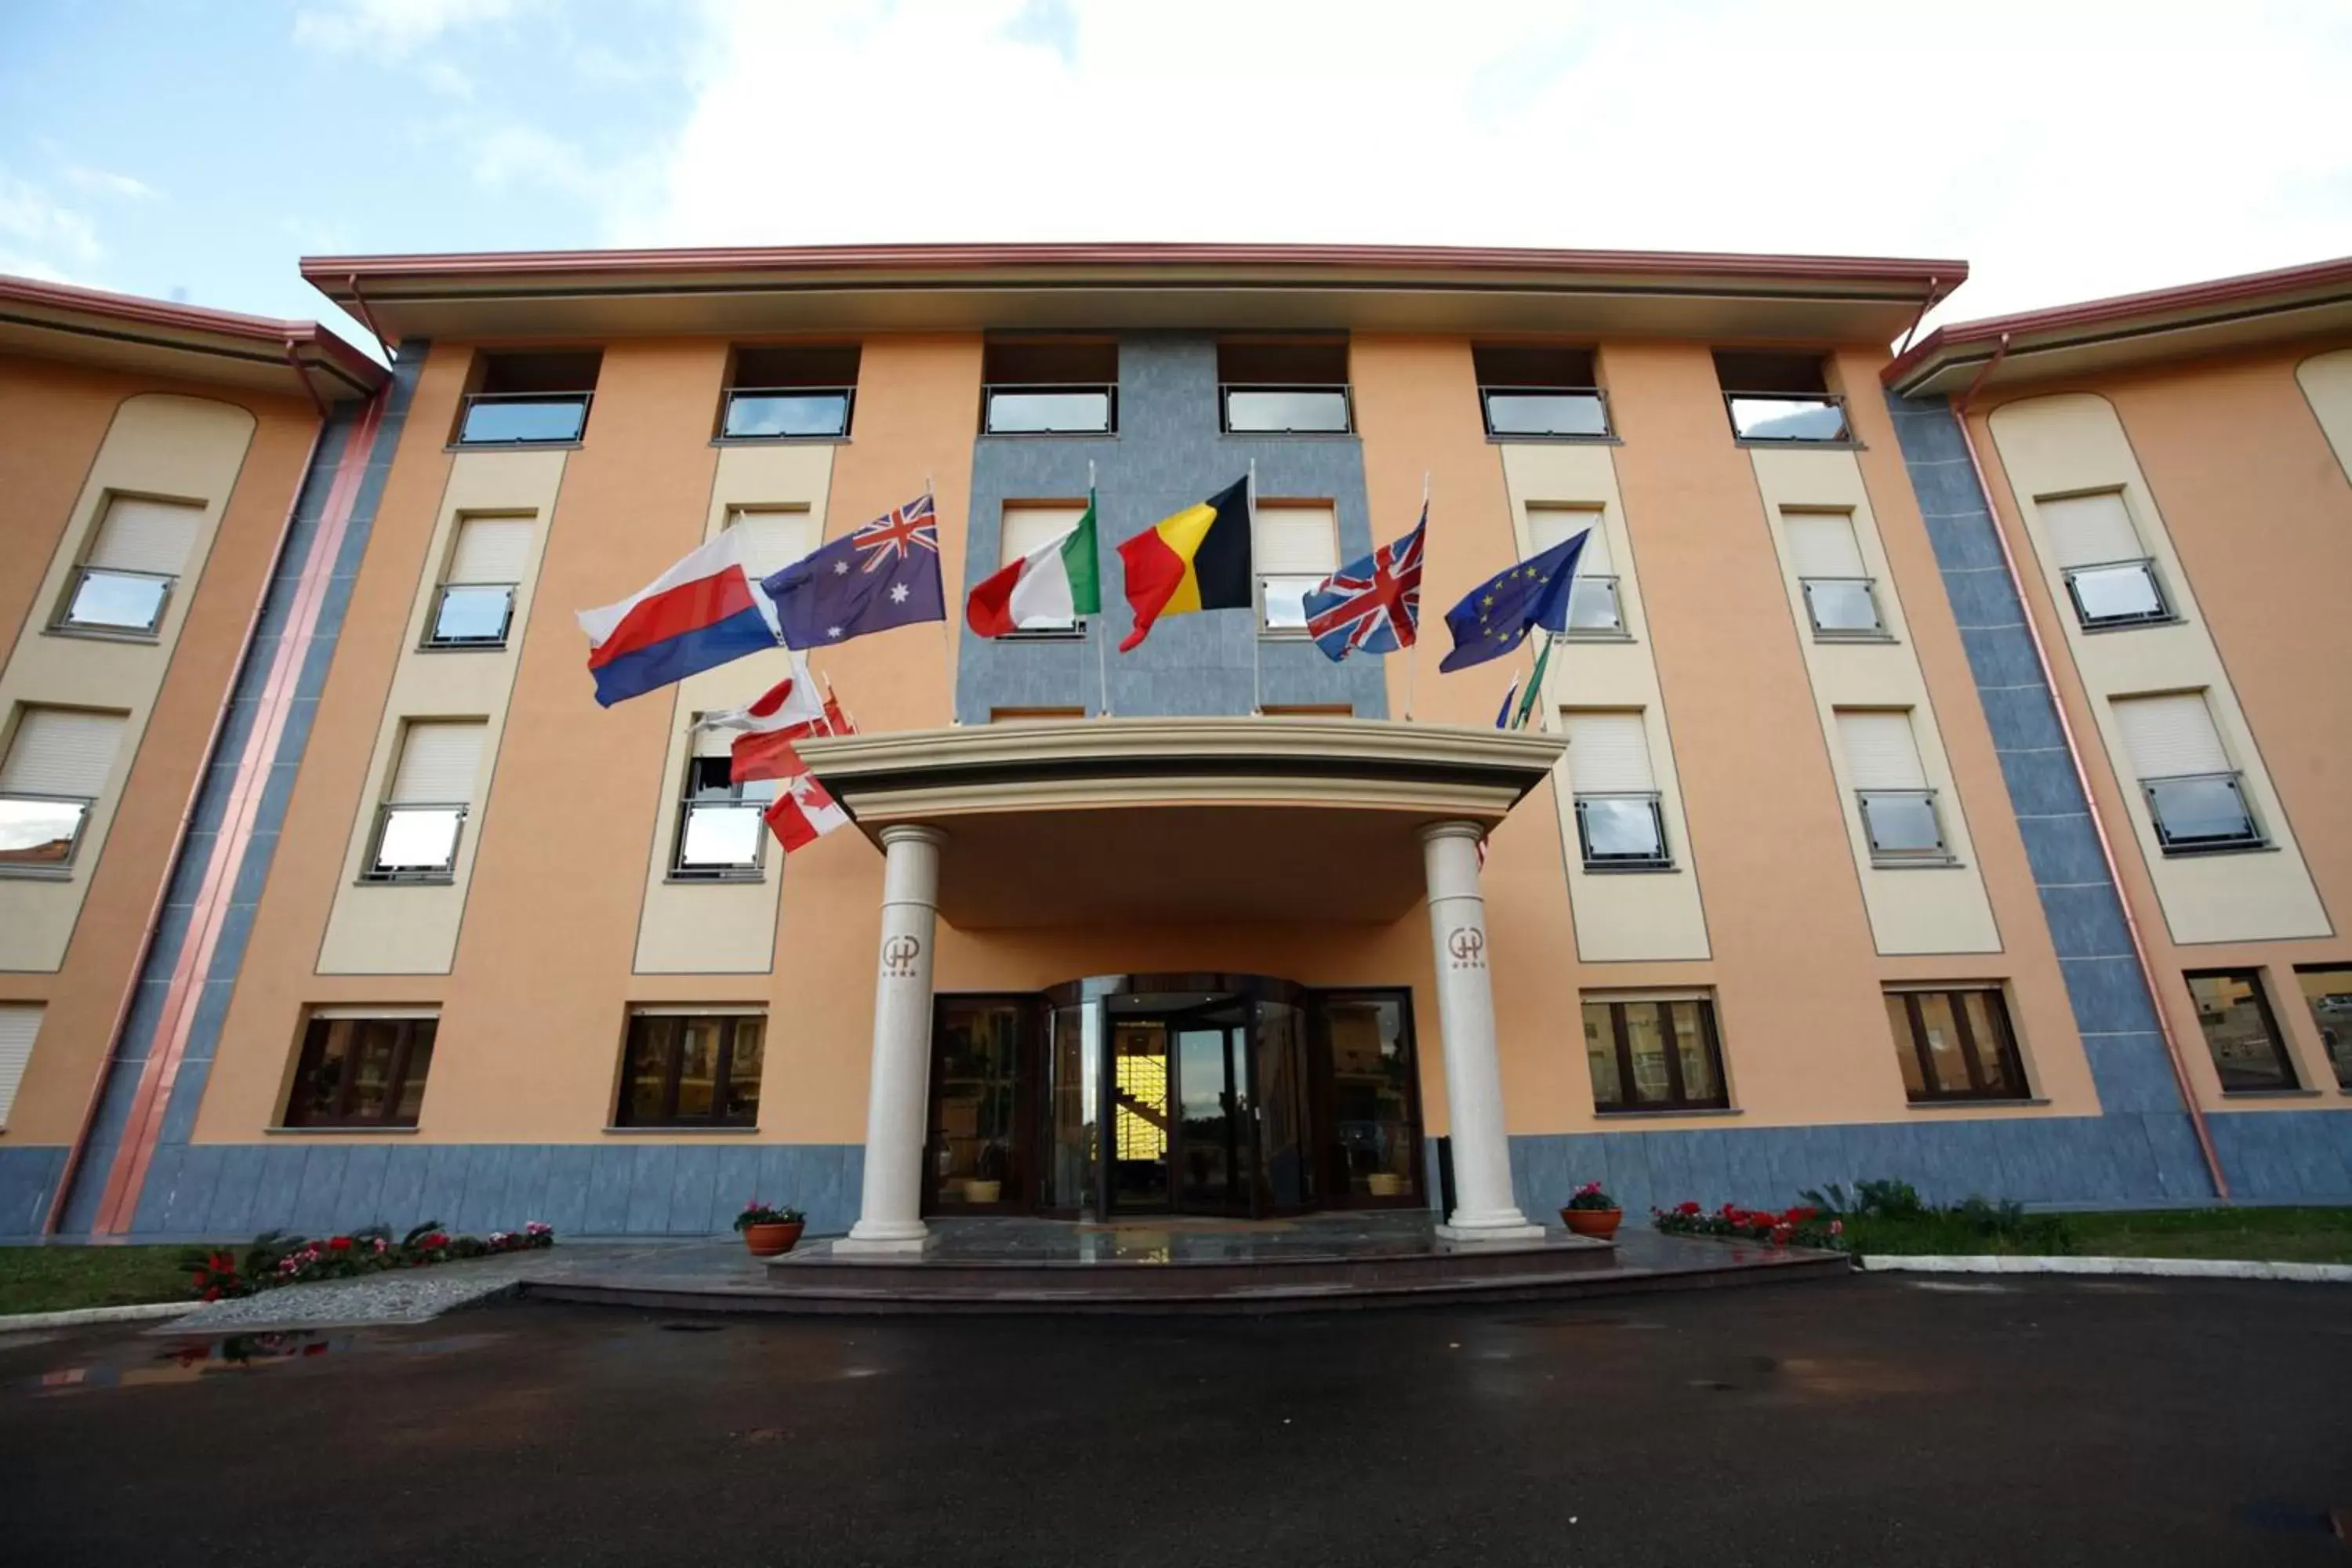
x: 1872, y: 1420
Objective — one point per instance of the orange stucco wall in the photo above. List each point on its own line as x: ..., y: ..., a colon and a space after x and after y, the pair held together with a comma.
x: 2260, y: 513
x: 53, y: 418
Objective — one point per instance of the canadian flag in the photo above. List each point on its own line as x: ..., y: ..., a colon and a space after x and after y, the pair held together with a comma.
x: 804, y: 812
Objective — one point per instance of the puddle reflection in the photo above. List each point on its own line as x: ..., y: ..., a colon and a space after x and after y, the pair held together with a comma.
x: 192, y: 1360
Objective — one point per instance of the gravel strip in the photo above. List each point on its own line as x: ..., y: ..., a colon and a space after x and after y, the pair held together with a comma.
x: 405, y: 1296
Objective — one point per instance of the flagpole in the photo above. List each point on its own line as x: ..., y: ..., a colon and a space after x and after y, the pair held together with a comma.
x: 1257, y: 705
x: 947, y: 622
x: 1101, y: 639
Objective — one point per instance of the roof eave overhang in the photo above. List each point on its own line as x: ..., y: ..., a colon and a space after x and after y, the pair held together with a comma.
x: 122, y: 331
x: 2226, y: 315
x: 1042, y: 287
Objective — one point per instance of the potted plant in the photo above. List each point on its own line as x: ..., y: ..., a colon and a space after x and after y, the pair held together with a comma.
x: 987, y: 1183
x: 768, y: 1230
x: 1592, y: 1212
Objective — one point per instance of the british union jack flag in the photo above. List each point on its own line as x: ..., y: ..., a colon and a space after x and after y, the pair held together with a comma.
x: 1372, y: 604
x: 888, y: 540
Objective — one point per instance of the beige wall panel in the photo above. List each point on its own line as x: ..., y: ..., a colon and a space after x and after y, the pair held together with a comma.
x: 161, y: 445
x: 726, y: 927
x: 1913, y: 909
x: 2327, y: 383
x: 2072, y: 442
x: 401, y: 928
x: 1619, y: 916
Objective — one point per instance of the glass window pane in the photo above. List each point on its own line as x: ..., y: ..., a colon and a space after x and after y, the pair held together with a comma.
x: 743, y: 1071
x: 697, y: 1066
x: 372, y: 1043
x: 557, y: 418
x: 2328, y: 994
x: 1601, y: 1054
x: 117, y: 600
x: 1788, y: 419
x: 2247, y: 1052
x: 1371, y: 1096
x: 1621, y: 828
x: 1944, y: 1051
x: 1287, y: 409
x: 1029, y: 413
x: 473, y: 614
x: 1992, y: 1062
x: 2126, y: 592
x: 39, y: 832
x: 420, y: 1061
x: 1902, y: 823
x: 1699, y: 1081
x: 2201, y: 810
x: 1286, y: 601
x: 418, y: 837
x: 1546, y: 414
x: 318, y: 1086
x: 1593, y: 605
x: 752, y: 413
x: 721, y: 836
x: 1645, y: 1033
x: 1842, y: 604
x: 1906, y: 1053
x: 652, y: 1041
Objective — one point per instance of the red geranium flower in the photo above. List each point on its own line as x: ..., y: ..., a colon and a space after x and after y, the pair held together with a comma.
x: 340, y: 1243
x: 1686, y: 1206
x: 212, y: 1293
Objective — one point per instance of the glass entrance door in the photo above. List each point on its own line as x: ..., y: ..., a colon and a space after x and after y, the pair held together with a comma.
x: 1139, y: 1177
x: 1215, y: 1169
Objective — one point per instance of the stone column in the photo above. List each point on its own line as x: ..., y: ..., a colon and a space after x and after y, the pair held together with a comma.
x: 890, y: 1207
x: 1484, y: 1209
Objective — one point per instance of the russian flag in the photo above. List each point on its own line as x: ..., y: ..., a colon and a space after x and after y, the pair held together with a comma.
x: 698, y: 614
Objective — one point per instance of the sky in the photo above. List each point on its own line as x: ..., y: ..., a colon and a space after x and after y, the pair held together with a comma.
x: 2064, y: 149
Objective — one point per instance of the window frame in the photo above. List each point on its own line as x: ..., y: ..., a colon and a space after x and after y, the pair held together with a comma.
x: 991, y: 391
x: 1941, y: 855
x: 2281, y: 1049
x: 756, y: 870
x: 63, y: 623
x: 1711, y: 1035
x: 1600, y: 394
x: 2254, y: 838
x: 2339, y: 1064
x: 466, y: 417
x: 726, y: 438
x: 1843, y: 438
x: 720, y: 1073
x: 434, y: 642
x: 311, y: 1046
x: 2005, y: 1049
x: 1346, y: 390
x: 374, y: 872
x: 1877, y: 631
x: 52, y: 869
x: 1664, y: 861
x: 1619, y: 631
x: 2164, y: 615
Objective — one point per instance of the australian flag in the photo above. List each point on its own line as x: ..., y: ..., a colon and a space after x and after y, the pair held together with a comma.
x: 884, y: 574
x: 1496, y: 616
x: 1372, y: 604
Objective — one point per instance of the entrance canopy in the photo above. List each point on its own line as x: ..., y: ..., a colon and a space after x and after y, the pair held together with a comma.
x: 1072, y: 821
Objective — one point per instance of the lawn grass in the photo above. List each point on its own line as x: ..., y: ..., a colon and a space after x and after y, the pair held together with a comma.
x: 2272, y: 1236
x: 60, y: 1279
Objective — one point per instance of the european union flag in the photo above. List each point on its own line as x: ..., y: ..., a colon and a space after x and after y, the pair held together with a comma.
x: 1496, y: 616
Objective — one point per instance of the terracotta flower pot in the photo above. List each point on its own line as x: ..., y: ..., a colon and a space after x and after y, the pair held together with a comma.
x: 770, y: 1241
x: 1597, y: 1222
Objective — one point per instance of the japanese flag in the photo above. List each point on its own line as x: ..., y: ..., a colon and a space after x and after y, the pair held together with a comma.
x: 804, y: 812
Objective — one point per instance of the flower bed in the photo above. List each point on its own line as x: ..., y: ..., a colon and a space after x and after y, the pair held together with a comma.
x: 276, y: 1258
x: 1802, y: 1226
x: 1878, y: 1217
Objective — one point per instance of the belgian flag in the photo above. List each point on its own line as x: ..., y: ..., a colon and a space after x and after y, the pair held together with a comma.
x: 1197, y: 560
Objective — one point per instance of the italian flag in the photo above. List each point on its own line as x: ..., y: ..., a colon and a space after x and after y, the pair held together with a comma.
x: 1052, y: 587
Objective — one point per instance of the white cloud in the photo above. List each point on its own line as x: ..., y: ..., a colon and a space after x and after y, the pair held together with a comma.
x: 394, y: 26
x: 106, y: 183
x: 40, y: 236
x: 2062, y: 151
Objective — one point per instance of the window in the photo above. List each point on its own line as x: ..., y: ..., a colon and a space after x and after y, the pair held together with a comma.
x: 1594, y: 611
x: 135, y: 557
x: 486, y: 565
x: 1049, y: 386
x: 1780, y: 397
x: 20, y: 1023
x: 799, y: 392
x: 361, y: 1070
x: 1618, y: 820
x: 721, y: 824
x: 1898, y: 809
x: 773, y: 537
x: 2328, y: 992
x: 1533, y: 391
x: 1838, y: 588
x: 1029, y: 715
x: 2109, y: 575
x: 1654, y: 1055
x: 1955, y: 1044
x: 417, y: 826
x: 1295, y: 546
x: 2248, y: 1052
x: 692, y: 1070
x: 529, y: 398
x: 2196, y: 800
x: 55, y: 769
x: 1274, y: 387
x: 1023, y: 529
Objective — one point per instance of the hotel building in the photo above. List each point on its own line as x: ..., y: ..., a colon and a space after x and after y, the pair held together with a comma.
x: 1939, y: 777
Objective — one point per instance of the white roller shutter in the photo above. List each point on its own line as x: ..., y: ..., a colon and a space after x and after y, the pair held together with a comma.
x: 61, y: 751
x: 1608, y: 753
x: 1880, y: 751
x: 2169, y: 736
x: 140, y: 535
x: 774, y: 536
x: 1821, y: 545
x: 1551, y: 525
x: 19, y: 1023
x: 1028, y: 527
x: 438, y: 759
x: 715, y: 742
x: 2090, y: 531
x: 490, y: 550
x: 1296, y: 541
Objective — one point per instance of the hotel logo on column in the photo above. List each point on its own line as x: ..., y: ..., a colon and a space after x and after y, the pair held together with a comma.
x: 1467, y: 944
x: 898, y: 955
